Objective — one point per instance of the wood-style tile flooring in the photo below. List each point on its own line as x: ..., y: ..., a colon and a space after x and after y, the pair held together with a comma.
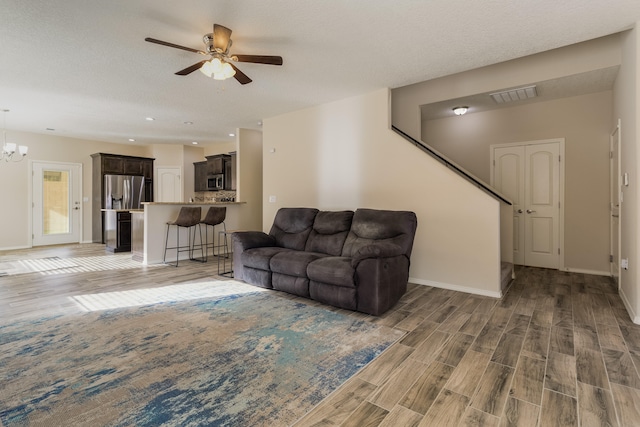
x: 559, y: 349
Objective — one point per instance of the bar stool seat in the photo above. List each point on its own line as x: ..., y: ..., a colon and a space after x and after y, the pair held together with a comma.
x: 215, y: 216
x: 189, y: 218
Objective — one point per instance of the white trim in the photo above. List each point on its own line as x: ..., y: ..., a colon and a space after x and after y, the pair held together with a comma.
x: 634, y: 317
x: 457, y: 288
x: 30, y: 197
x: 617, y: 131
x: 585, y: 271
x: 14, y: 248
x: 561, y: 141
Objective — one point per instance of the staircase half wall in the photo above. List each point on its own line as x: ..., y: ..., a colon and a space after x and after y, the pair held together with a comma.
x: 344, y: 155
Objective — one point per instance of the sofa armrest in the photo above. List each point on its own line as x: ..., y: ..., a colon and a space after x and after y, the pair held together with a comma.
x: 243, y: 240
x: 376, y: 250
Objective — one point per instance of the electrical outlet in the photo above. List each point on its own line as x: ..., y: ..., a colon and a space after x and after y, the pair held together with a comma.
x: 624, y: 263
x: 272, y: 199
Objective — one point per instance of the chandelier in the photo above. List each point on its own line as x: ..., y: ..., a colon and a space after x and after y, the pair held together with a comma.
x: 9, y: 148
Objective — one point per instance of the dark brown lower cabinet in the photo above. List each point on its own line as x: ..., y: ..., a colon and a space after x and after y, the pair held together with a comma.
x: 118, y: 231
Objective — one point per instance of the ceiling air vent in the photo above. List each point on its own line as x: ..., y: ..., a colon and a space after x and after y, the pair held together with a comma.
x: 515, y: 94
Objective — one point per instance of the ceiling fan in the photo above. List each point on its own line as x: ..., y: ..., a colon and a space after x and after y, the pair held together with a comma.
x: 220, y: 65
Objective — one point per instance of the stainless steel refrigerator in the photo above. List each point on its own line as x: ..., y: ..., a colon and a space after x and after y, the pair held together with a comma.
x: 123, y: 192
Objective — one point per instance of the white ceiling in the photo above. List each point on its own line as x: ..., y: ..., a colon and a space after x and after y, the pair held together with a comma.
x: 82, y: 67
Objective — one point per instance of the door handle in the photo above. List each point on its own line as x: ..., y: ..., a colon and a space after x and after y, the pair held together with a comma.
x: 519, y: 211
x: 530, y: 211
x: 616, y: 216
x: 76, y: 208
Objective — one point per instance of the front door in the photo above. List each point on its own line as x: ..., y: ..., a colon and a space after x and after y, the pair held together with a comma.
x: 57, y: 213
x: 529, y: 174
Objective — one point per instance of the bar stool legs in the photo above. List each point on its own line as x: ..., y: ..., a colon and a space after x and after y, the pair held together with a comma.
x: 226, y: 255
x: 215, y: 216
x: 189, y: 218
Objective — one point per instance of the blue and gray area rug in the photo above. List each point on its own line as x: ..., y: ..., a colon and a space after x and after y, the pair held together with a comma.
x: 245, y: 358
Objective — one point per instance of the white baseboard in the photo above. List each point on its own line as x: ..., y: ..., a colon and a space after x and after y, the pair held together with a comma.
x: 584, y: 271
x: 457, y: 288
x: 634, y: 317
x: 14, y: 248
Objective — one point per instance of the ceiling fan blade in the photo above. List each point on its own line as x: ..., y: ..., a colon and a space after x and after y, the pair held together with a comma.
x: 190, y: 69
x: 221, y: 37
x: 241, y: 77
x: 177, y: 46
x: 260, y: 59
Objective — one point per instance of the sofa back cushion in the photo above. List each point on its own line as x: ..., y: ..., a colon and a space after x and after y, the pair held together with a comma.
x: 329, y: 232
x: 291, y: 227
x: 369, y: 225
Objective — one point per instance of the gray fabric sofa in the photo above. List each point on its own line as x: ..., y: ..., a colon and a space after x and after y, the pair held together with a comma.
x: 354, y: 260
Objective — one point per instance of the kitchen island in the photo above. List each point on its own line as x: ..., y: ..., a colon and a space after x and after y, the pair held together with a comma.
x: 153, y: 222
x: 117, y: 229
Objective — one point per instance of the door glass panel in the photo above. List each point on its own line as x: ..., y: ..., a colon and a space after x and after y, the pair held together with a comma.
x: 55, y: 202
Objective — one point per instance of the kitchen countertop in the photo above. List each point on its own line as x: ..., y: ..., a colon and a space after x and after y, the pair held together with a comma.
x: 194, y: 203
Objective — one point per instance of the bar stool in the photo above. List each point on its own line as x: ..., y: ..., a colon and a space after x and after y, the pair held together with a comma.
x: 188, y: 218
x: 215, y: 215
x: 228, y: 252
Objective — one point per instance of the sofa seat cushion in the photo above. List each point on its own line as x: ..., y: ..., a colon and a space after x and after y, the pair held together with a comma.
x: 333, y: 270
x: 291, y: 284
x: 293, y: 263
x: 337, y: 296
x: 261, y: 257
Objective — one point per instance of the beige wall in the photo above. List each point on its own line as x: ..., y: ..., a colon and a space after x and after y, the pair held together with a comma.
x: 585, y: 122
x: 249, y: 177
x: 626, y: 107
x: 343, y: 155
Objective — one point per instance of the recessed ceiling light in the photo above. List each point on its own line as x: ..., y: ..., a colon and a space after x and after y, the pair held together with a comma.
x: 150, y: 119
x: 131, y: 140
x: 195, y: 142
x: 187, y: 123
x: 50, y: 129
x: 232, y: 134
x: 259, y: 122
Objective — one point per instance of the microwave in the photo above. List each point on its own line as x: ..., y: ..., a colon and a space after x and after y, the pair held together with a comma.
x: 215, y: 182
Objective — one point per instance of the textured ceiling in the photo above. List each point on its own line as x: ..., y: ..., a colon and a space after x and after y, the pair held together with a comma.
x: 82, y: 67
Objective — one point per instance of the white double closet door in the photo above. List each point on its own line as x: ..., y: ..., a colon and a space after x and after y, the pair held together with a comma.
x: 529, y: 174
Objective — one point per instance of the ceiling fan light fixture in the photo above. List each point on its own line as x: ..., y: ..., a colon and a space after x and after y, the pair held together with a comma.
x: 216, y: 65
x: 228, y: 70
x: 218, y: 69
x: 206, y: 69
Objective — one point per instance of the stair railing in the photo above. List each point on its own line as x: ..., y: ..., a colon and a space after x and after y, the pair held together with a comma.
x: 475, y: 181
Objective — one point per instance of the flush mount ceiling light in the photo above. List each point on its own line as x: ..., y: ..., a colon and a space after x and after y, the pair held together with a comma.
x: 460, y: 110
x: 9, y: 148
x: 518, y: 94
